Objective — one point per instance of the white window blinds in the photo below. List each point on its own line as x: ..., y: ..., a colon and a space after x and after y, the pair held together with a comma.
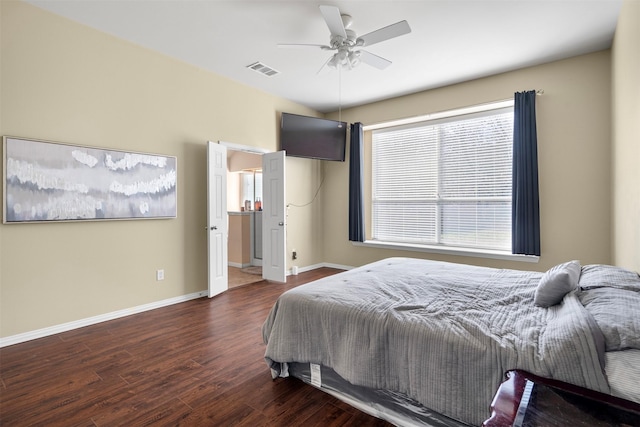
x: 445, y: 181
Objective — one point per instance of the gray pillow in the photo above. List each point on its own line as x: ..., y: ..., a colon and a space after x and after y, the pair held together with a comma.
x: 556, y: 283
x: 599, y: 275
x: 617, y: 313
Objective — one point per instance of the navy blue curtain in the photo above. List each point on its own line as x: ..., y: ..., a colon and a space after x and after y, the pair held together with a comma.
x: 525, y: 220
x: 356, y: 180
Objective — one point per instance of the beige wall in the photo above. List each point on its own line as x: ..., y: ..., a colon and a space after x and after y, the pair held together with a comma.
x: 626, y: 137
x: 305, y: 206
x: 574, y: 146
x: 61, y: 81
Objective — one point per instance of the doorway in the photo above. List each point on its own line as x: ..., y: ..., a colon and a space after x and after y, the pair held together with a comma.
x: 244, y: 207
x: 273, y: 216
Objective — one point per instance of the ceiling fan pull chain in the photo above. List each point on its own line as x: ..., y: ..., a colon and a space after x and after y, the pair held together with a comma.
x: 339, y: 94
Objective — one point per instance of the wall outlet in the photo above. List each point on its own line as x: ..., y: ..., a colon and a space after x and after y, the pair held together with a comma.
x: 294, y: 254
x: 159, y: 274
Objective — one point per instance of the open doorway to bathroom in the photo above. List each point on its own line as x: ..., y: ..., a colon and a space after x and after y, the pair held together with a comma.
x: 244, y: 206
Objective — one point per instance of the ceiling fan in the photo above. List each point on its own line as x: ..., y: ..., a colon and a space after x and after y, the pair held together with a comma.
x: 347, y: 45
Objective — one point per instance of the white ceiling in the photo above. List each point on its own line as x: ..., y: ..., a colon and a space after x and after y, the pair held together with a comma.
x: 451, y: 40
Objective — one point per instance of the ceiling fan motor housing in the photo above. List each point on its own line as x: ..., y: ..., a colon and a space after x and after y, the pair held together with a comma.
x: 338, y: 41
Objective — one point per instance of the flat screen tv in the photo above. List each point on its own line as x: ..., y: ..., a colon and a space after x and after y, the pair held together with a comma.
x: 312, y: 137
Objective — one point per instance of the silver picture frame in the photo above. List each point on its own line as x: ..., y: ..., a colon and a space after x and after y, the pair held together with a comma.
x: 45, y: 181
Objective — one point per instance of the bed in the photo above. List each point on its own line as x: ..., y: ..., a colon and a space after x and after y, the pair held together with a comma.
x: 420, y: 342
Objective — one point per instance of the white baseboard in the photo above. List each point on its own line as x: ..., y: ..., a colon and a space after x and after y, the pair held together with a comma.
x: 57, y: 329
x: 52, y: 330
x: 238, y: 265
x: 338, y: 266
x: 323, y: 264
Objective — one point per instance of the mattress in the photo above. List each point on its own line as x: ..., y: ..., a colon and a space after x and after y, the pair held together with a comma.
x: 441, y: 334
x: 393, y: 407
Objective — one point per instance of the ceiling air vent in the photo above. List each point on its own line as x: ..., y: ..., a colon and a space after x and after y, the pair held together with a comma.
x: 259, y: 67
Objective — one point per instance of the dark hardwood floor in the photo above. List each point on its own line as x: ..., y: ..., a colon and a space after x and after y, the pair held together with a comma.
x: 198, y: 363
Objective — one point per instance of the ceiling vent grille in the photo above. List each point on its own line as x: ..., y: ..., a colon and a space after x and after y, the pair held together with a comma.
x: 259, y: 67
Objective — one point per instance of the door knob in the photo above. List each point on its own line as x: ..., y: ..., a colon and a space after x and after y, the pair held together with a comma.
x: 281, y: 223
x: 213, y: 227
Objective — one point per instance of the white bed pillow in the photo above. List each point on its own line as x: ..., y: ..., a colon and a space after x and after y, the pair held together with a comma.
x: 617, y: 313
x: 608, y: 276
x: 623, y: 373
x: 556, y: 283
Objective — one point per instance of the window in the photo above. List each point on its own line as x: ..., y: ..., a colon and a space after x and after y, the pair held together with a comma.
x: 251, y: 189
x: 445, y: 181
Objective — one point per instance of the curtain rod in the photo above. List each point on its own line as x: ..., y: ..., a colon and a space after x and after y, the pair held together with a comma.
x: 539, y: 92
x: 414, y: 119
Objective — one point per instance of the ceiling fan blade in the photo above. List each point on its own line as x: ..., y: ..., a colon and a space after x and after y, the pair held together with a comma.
x: 333, y: 19
x: 374, y: 60
x: 324, y: 65
x: 302, y: 45
x: 386, y: 33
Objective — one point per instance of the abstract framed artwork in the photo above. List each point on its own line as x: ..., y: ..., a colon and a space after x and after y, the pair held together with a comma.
x: 47, y: 181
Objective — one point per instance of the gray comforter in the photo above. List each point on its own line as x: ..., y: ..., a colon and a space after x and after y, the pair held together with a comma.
x: 442, y: 333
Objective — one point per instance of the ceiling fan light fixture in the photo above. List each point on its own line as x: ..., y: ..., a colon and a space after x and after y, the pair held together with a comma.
x: 354, y: 58
x: 345, y: 59
x: 333, y: 62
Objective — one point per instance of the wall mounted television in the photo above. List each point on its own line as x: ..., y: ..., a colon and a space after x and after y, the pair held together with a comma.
x: 312, y: 137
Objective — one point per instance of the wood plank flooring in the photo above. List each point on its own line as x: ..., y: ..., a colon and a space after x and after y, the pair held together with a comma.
x: 198, y: 363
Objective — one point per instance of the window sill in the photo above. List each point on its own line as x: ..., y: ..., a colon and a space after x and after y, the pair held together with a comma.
x: 478, y: 253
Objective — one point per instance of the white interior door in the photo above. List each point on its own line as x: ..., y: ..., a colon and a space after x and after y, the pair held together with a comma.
x: 273, y: 217
x: 217, y: 218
